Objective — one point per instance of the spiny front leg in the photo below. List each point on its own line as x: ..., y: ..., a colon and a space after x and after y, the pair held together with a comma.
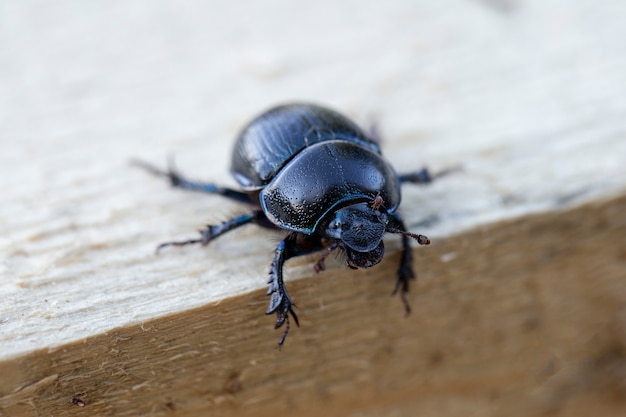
x: 405, y: 274
x: 280, y: 302
x: 405, y: 270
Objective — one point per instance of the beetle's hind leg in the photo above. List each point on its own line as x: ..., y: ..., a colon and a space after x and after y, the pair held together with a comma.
x: 213, y: 231
x: 179, y: 181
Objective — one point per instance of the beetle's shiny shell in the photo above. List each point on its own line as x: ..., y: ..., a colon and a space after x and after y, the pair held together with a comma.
x: 273, y: 138
x: 323, y: 177
x: 307, y: 161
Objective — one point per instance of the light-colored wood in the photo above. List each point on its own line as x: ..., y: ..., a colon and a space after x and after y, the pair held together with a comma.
x: 520, y: 318
x: 527, y: 98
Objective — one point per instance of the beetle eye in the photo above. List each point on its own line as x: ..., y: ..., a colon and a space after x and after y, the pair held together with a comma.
x: 334, y: 229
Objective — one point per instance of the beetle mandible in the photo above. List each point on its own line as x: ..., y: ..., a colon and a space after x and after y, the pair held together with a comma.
x: 314, y: 173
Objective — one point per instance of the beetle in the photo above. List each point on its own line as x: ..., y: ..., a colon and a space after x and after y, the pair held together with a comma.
x: 313, y: 172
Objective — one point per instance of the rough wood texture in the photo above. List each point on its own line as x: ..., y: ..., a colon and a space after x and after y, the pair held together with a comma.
x: 528, y: 97
x: 520, y: 318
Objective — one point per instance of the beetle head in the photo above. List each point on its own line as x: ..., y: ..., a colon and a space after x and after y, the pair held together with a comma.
x: 360, y: 228
x: 356, y: 259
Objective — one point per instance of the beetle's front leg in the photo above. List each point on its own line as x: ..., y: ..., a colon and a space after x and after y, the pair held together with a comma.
x: 405, y: 270
x: 280, y: 302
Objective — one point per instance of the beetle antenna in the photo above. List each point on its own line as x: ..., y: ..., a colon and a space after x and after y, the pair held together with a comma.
x: 421, y: 239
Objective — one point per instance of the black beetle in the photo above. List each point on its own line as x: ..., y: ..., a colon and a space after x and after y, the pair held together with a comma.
x: 315, y: 173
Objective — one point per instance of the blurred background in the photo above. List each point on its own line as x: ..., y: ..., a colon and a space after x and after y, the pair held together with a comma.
x: 492, y: 84
x: 528, y: 96
x: 85, y: 84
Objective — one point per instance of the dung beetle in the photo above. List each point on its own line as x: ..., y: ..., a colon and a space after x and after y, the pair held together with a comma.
x: 314, y: 173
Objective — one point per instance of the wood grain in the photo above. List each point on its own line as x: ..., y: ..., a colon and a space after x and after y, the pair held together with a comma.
x: 509, y: 317
x: 519, y: 318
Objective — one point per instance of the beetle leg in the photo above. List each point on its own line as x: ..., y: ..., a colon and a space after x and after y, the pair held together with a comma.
x: 417, y: 177
x: 405, y: 271
x: 213, y: 231
x: 179, y: 181
x: 320, y: 265
x: 280, y: 302
x: 423, y: 176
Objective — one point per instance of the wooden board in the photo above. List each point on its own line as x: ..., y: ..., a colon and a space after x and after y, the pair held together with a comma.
x: 519, y: 318
x: 526, y: 97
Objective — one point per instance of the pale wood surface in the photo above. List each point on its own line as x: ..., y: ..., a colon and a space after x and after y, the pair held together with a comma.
x: 529, y: 98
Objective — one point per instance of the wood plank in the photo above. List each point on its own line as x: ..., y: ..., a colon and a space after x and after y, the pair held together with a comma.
x: 519, y: 318
x: 527, y: 98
